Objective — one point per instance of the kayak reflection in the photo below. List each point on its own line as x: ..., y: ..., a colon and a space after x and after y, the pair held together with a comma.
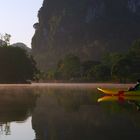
x: 133, y: 100
x: 74, y: 114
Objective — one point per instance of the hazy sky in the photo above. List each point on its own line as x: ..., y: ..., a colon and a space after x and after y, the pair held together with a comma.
x: 17, y: 18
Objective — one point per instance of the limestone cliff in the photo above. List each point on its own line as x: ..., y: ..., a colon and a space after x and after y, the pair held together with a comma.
x: 87, y: 28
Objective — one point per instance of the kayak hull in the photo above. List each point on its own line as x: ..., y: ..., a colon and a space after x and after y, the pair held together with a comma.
x: 118, y: 98
x: 116, y: 92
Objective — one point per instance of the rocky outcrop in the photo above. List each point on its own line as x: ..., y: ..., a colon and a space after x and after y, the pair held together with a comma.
x: 86, y: 28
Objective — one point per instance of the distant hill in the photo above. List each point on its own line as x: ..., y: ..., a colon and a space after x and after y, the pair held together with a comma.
x: 86, y: 28
x: 22, y: 45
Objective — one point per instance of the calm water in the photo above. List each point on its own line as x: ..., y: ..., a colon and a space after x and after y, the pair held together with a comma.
x: 65, y: 113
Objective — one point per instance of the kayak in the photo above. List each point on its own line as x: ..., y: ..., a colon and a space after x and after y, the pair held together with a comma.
x: 118, y: 98
x: 108, y: 91
x: 116, y: 92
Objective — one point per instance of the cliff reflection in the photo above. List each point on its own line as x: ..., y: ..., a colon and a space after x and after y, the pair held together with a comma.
x: 15, y: 105
x: 76, y: 115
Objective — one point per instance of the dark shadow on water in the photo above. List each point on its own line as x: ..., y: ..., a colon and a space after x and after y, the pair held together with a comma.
x: 62, y: 114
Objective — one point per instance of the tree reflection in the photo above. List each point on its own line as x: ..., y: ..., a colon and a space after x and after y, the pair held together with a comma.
x: 76, y: 115
x: 5, y: 129
x: 15, y: 105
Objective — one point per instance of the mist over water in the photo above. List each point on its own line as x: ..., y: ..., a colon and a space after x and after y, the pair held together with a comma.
x: 65, y: 112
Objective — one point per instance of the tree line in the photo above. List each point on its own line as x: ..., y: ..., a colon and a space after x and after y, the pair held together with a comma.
x: 18, y: 66
x: 117, y: 67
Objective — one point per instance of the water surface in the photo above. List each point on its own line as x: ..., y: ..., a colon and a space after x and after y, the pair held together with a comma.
x: 65, y: 113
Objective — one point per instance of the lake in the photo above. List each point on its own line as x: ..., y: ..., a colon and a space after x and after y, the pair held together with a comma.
x: 65, y: 112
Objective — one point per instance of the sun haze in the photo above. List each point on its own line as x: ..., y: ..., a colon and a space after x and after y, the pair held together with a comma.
x: 17, y: 18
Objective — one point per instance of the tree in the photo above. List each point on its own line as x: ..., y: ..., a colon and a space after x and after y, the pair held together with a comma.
x: 87, y: 69
x: 135, y: 49
x: 111, y: 58
x: 16, y: 66
x: 134, y: 55
x: 127, y: 68
x: 51, y: 74
x: 70, y: 67
x: 122, y: 69
x: 5, y: 38
x: 101, y: 72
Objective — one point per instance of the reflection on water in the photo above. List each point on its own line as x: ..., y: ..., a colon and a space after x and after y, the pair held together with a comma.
x: 19, y: 131
x: 65, y: 114
x: 16, y: 106
x: 76, y: 115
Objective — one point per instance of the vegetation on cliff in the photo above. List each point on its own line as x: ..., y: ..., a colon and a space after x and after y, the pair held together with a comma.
x: 113, y: 67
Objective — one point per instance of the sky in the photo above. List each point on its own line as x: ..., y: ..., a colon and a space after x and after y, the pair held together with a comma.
x: 17, y: 18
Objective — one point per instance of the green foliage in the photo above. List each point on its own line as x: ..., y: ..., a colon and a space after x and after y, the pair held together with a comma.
x: 114, y: 66
x: 51, y: 74
x: 69, y: 67
x: 128, y: 67
x: 102, y: 72
x: 111, y: 58
x: 135, y: 49
x: 87, y: 69
x: 5, y: 38
x: 122, y: 69
x: 16, y: 66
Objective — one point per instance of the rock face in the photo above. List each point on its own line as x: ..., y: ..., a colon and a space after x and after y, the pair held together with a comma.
x: 86, y: 28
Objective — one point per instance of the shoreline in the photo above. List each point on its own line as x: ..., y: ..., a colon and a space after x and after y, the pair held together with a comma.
x: 71, y: 85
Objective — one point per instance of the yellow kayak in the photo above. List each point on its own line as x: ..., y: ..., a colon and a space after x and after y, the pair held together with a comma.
x: 115, y: 92
x: 118, y: 98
